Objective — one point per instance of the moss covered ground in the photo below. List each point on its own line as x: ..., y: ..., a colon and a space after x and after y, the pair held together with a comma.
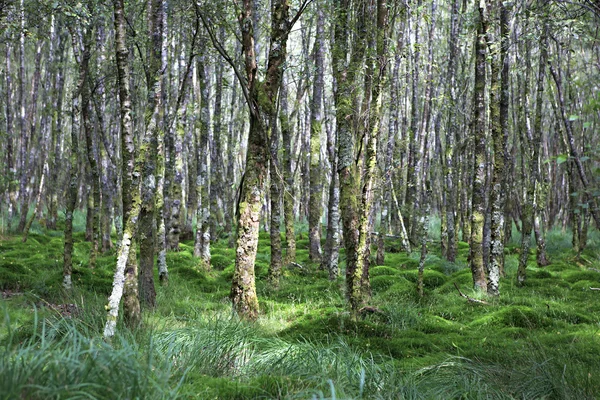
x: 532, y: 342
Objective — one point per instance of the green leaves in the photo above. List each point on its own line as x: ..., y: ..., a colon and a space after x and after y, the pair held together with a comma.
x: 561, y: 158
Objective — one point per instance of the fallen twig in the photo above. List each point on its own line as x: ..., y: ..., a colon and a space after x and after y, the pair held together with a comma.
x: 470, y: 299
x: 296, y: 265
x: 595, y: 288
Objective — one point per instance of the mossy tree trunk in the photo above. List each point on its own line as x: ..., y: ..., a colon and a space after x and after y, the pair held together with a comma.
x: 345, y: 75
x: 82, y: 56
x: 125, y: 278
x: 55, y: 150
x: 217, y: 179
x: 276, y: 185
x: 449, y: 234
x: 261, y: 98
x: 11, y: 171
x: 538, y: 190
x: 331, y: 252
x: 316, y: 127
x: 499, y: 131
x: 161, y: 233
x: 22, y: 104
x: 288, y: 175
x: 147, y: 220
x: 201, y: 136
x: 379, y: 67
x: 476, y: 261
x: 423, y: 235
x: 177, y: 182
x: 91, y: 145
x: 355, y: 193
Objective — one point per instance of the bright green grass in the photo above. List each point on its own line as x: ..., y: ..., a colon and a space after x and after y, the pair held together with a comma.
x: 539, y: 341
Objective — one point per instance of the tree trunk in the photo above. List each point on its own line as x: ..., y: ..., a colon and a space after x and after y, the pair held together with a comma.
x: 202, y: 240
x: 316, y: 180
x: 332, y: 242
x: 83, y: 61
x: 344, y: 75
x: 276, y: 209
x: 499, y: 128
x: 217, y: 181
x: 147, y: 219
x: 261, y: 98
x: 450, y: 236
x: 288, y: 175
x: 125, y: 278
x: 479, y: 140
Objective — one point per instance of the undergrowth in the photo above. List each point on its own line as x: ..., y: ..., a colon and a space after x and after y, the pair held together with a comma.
x: 539, y: 341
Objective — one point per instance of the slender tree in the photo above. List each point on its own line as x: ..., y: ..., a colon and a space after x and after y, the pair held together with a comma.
x: 479, y: 142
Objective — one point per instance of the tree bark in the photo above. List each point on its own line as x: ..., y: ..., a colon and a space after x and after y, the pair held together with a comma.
x: 125, y: 278
x: 316, y: 128
x: 147, y: 219
x: 476, y: 261
x: 499, y: 131
x: 288, y: 175
x: 261, y: 98
x: 202, y: 240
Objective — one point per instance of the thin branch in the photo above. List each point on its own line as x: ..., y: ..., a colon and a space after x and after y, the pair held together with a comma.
x: 470, y: 299
x: 305, y: 4
x: 184, y: 79
x: 137, y: 46
x: 219, y: 47
x: 296, y: 265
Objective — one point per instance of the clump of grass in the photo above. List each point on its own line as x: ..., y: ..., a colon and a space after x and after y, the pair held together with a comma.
x: 61, y: 361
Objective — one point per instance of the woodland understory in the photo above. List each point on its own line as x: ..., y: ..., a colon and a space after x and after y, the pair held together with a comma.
x: 300, y: 199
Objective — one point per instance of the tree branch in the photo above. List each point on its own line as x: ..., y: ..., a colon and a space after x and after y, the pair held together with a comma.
x: 219, y: 47
x: 470, y: 299
x: 182, y: 86
x: 301, y: 10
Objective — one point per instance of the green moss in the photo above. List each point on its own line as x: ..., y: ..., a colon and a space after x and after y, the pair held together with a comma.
x: 539, y: 274
x: 228, y: 272
x: 574, y: 276
x: 431, y: 279
x: 559, y: 266
x: 513, y: 333
x: 462, y: 246
x: 515, y: 316
x: 584, y: 285
x: 382, y: 283
x: 219, y: 262
x: 382, y: 270
x: 401, y: 290
x: 432, y: 324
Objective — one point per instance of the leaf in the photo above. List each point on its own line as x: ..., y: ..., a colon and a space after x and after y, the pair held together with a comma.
x: 573, y: 117
x: 584, y: 158
x: 587, y: 125
x: 561, y: 158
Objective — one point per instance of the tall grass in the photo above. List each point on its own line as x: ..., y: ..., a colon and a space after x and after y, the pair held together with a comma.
x: 64, y: 361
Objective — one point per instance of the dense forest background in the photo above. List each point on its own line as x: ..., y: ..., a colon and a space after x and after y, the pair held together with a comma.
x: 363, y: 158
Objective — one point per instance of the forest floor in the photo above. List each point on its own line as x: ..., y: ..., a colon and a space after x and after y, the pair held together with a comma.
x: 541, y: 341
